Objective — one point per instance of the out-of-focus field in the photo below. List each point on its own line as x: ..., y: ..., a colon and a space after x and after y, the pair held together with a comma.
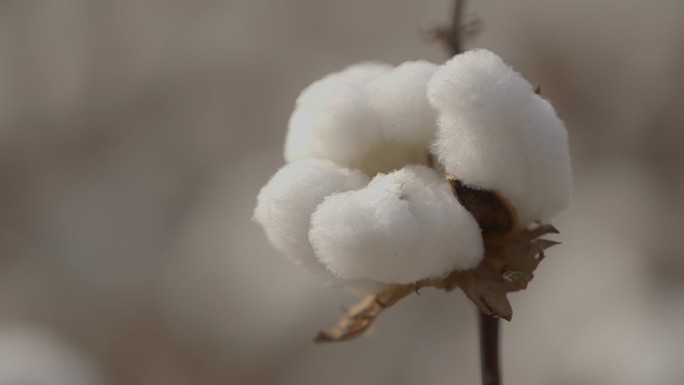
x: 135, y: 134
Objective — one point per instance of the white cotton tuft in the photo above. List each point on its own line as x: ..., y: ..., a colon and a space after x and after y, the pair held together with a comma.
x: 286, y: 202
x: 495, y: 133
x: 344, y: 119
x: 404, y: 227
x: 400, y: 99
x: 332, y: 119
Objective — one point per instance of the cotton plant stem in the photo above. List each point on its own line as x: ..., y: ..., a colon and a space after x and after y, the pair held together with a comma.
x: 489, y: 349
x: 489, y: 326
x: 454, y: 40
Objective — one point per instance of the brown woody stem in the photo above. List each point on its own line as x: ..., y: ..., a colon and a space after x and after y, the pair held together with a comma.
x: 489, y: 349
x: 454, y: 40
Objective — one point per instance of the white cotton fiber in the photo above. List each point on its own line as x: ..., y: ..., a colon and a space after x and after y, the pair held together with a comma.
x: 495, y: 133
x: 404, y: 227
x: 400, y: 99
x: 369, y: 117
x: 286, y: 202
x: 333, y: 120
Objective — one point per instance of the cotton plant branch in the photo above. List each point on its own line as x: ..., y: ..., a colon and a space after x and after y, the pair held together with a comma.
x: 453, y: 35
x: 489, y: 350
x: 503, y: 220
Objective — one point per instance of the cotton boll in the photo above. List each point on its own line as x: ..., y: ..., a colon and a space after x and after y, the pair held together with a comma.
x: 404, y: 227
x: 332, y: 119
x: 286, y: 202
x: 495, y: 133
x: 399, y: 97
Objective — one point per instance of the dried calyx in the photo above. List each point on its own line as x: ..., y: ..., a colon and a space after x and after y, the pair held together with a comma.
x: 511, y: 256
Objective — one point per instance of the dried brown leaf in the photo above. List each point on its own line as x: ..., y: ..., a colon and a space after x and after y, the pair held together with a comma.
x: 360, y: 317
x: 508, y: 266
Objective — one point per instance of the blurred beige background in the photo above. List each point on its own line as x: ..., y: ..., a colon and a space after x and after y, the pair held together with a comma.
x: 135, y: 134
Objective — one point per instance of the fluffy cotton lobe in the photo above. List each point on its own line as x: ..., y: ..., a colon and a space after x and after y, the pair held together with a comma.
x: 399, y: 97
x: 495, y: 133
x: 403, y: 227
x: 286, y: 202
x: 368, y: 116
